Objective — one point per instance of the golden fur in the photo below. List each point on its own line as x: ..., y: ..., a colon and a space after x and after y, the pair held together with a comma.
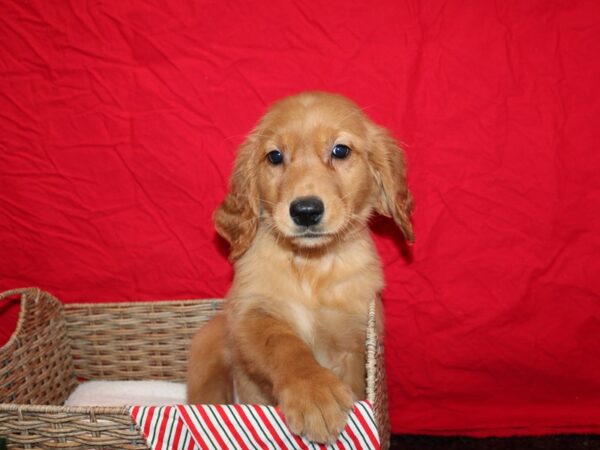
x: 293, y: 330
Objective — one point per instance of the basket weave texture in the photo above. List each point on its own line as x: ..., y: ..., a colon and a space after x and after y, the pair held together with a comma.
x: 56, y: 346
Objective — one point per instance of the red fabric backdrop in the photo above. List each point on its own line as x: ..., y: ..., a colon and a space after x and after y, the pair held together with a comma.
x: 119, y: 122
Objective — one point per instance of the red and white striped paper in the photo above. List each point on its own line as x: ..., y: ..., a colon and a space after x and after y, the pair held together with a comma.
x: 250, y: 427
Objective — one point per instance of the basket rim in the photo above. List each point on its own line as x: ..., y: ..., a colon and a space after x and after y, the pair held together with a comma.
x: 12, y: 407
x: 91, y: 303
x: 22, y: 292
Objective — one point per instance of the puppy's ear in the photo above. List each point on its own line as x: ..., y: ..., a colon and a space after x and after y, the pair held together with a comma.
x: 236, y: 219
x: 387, y: 165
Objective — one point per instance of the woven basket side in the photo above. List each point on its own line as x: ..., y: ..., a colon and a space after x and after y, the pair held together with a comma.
x: 135, y: 341
x: 51, y: 427
x: 35, y: 364
x: 376, y: 380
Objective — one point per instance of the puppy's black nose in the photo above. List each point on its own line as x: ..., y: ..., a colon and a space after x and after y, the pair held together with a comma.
x: 307, y: 211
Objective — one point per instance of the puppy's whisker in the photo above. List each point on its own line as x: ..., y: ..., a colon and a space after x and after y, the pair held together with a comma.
x: 344, y: 197
x: 244, y: 222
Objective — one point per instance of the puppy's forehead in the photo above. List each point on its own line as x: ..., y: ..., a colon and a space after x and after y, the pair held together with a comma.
x: 314, y: 115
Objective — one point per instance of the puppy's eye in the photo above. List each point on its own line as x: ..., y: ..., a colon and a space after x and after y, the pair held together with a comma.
x: 275, y: 157
x: 340, y: 151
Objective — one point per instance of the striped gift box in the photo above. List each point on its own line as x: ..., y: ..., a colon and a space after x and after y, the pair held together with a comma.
x: 190, y: 427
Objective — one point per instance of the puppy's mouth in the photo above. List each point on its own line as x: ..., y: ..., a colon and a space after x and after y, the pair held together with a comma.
x: 311, y: 238
x: 311, y: 235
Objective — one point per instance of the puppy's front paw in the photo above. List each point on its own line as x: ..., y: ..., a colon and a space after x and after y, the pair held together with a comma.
x: 316, y: 406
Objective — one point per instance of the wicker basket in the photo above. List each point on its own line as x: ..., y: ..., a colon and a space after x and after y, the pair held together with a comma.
x: 56, y: 346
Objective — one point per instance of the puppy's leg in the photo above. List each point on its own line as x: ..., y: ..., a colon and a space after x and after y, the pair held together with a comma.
x: 209, y: 377
x: 313, y: 399
x: 354, y: 374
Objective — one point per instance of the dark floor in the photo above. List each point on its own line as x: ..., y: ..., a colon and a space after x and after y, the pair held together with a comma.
x: 558, y: 442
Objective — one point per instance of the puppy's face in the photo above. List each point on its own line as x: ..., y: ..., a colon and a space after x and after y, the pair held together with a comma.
x: 314, y: 181
x: 313, y: 170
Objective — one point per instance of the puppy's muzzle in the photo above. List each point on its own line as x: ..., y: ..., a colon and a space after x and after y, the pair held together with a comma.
x: 307, y: 211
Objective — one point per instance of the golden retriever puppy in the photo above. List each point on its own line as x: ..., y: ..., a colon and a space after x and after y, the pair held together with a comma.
x: 293, y: 330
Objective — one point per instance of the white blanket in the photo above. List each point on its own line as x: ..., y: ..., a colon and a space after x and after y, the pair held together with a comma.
x: 121, y: 393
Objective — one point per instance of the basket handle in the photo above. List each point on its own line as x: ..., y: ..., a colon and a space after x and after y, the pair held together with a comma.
x: 33, y: 291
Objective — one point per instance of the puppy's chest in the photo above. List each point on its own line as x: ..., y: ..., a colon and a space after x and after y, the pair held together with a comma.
x: 329, y: 315
x: 329, y: 332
